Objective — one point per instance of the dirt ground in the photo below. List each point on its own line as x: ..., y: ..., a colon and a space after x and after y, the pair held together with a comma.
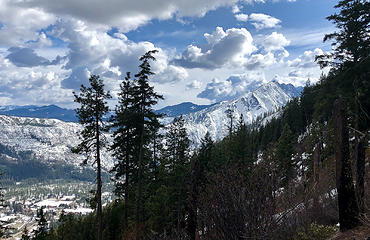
x: 359, y: 233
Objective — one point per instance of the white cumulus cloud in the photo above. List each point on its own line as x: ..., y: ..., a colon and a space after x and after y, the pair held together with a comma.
x: 228, y: 47
x: 194, y: 85
x: 306, y: 60
x: 275, y: 41
x: 241, y: 17
x: 261, y: 21
x: 125, y: 14
x: 95, y: 51
x: 21, y: 24
x: 234, y: 86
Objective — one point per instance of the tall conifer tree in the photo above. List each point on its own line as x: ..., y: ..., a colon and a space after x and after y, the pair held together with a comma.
x: 177, y: 161
x: 123, y: 147
x: 350, y: 61
x: 41, y: 232
x: 197, y: 182
x: 91, y: 114
x: 284, y: 153
x: 147, y: 122
x: 352, y: 42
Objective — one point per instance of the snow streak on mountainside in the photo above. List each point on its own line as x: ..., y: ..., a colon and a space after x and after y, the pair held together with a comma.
x: 266, y: 98
x: 49, y: 140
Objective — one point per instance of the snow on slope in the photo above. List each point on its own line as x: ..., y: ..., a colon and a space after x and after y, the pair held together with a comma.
x: 49, y: 140
x: 267, y: 98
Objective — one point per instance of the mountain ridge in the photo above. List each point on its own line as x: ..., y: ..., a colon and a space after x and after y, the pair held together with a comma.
x: 266, y: 98
x: 50, y: 140
x: 48, y: 111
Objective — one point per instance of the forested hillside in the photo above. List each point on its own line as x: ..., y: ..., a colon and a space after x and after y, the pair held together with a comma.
x: 293, y: 177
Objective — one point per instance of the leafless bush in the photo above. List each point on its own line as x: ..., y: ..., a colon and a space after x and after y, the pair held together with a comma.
x: 252, y: 206
x: 238, y: 207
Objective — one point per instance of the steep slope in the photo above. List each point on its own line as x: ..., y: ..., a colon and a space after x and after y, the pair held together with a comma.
x: 46, y: 140
x: 266, y: 98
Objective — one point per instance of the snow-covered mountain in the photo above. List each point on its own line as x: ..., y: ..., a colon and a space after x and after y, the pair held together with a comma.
x: 46, y: 140
x: 49, y: 141
x: 266, y: 98
x: 181, y: 109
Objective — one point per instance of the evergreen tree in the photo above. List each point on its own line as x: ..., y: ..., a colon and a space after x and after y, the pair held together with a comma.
x: 146, y: 123
x: 42, y: 226
x: 123, y: 147
x: 243, y: 147
x: 352, y: 41
x: 284, y: 153
x: 90, y: 114
x: 177, y: 143
x: 350, y: 61
x: 347, y: 204
x: 198, y: 169
x: 176, y: 162
x: 3, y: 224
x: 25, y: 235
x: 229, y: 114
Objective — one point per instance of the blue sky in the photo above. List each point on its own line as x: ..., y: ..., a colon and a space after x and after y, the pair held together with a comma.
x: 308, y: 14
x: 209, y: 51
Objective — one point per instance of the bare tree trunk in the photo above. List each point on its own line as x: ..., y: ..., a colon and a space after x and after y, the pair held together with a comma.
x: 360, y: 153
x: 126, y: 184
x: 139, y: 181
x: 99, y: 183
x: 316, y: 163
x: 192, y: 201
x: 348, y: 209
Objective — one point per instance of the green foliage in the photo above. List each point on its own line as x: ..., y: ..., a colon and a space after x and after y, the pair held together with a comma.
x: 34, y: 169
x: 124, y: 137
x: 173, y: 180
x: 317, y: 232
x: 167, y: 185
x: 352, y: 41
x: 284, y: 153
x: 41, y: 233
x: 3, y: 228
x: 136, y: 145
x: 71, y: 227
x: 91, y: 114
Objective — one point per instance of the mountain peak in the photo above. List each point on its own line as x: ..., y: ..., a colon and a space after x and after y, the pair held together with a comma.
x: 267, y: 97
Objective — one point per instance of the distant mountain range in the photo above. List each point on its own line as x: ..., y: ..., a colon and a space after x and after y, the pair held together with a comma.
x: 34, y: 133
x: 182, y: 109
x: 50, y: 111
x: 69, y: 115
